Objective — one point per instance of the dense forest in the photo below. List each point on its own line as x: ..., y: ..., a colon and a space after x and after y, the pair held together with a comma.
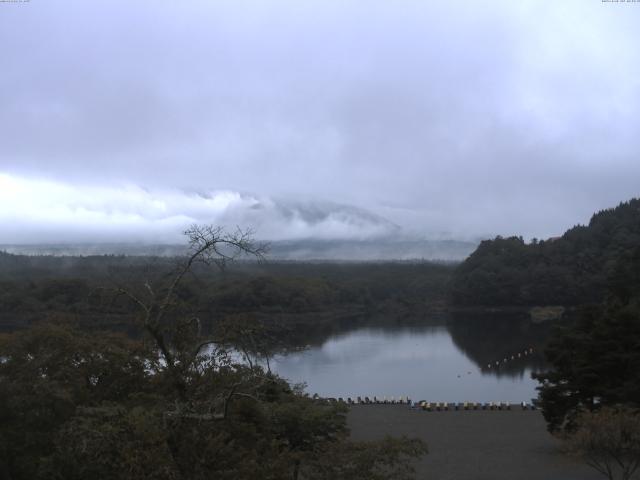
x: 595, y: 359
x: 571, y: 270
x: 299, y: 300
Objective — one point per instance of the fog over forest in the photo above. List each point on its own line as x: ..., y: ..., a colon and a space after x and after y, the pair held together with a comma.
x: 315, y: 121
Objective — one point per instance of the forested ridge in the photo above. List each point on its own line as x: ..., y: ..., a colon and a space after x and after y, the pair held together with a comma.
x: 574, y: 269
x: 301, y: 301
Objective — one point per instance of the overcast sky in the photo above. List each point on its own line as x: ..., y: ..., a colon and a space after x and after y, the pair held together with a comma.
x: 332, y: 119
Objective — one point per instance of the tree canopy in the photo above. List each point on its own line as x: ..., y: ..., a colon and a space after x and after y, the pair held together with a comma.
x: 596, y: 360
x: 573, y: 269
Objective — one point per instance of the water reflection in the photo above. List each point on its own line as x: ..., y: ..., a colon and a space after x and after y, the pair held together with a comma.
x: 488, y: 339
x: 437, y: 362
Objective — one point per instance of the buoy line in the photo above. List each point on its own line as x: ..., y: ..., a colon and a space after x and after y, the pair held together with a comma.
x: 515, y: 356
x: 427, y: 406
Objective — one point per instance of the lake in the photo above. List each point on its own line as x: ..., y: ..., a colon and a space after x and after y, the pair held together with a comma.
x: 455, y: 362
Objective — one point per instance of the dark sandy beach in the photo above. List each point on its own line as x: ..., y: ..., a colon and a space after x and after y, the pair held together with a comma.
x: 473, y: 445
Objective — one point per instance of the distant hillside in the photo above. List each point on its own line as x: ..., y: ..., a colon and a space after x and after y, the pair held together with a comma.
x: 382, y: 249
x: 379, y: 249
x: 571, y: 270
x: 311, y: 298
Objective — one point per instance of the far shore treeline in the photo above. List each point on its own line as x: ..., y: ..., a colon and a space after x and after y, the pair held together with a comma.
x: 299, y: 300
x: 577, y: 268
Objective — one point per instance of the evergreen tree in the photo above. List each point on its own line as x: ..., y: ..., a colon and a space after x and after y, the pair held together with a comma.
x: 596, y: 361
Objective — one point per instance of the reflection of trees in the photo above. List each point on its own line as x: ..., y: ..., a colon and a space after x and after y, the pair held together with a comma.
x: 487, y: 338
x: 483, y: 338
x: 314, y: 329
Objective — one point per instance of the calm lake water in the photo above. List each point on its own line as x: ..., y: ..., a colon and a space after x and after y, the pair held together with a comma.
x: 437, y: 363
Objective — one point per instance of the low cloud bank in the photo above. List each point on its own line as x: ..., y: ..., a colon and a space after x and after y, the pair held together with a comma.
x: 37, y: 211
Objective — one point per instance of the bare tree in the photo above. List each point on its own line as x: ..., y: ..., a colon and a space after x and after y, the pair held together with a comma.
x: 178, y: 340
x: 609, y: 441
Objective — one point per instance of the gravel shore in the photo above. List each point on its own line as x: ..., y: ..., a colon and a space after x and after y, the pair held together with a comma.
x: 473, y: 445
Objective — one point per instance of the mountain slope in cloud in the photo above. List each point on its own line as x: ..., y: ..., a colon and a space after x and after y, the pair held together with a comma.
x: 285, y: 220
x: 47, y: 217
x: 44, y: 211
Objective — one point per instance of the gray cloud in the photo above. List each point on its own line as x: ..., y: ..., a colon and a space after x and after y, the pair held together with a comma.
x: 464, y: 119
x: 42, y: 211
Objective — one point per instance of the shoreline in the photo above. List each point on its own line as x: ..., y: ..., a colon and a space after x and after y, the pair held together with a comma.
x: 473, y: 444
